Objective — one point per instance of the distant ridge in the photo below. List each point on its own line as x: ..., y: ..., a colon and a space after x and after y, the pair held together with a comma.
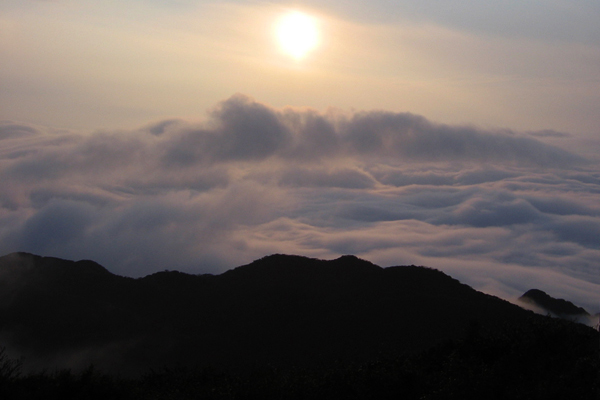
x: 559, y: 307
x: 280, y: 310
x: 21, y: 262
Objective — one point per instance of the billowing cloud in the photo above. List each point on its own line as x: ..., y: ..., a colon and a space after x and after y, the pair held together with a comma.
x: 501, y: 210
x: 241, y: 129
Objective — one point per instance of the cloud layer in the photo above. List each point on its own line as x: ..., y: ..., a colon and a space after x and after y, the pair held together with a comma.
x: 503, y: 211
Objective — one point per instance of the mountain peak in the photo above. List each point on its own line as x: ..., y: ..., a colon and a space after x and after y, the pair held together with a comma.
x: 26, y: 262
x: 559, y: 307
x: 292, y: 265
x: 350, y: 260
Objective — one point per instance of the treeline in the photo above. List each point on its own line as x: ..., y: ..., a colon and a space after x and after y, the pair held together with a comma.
x: 543, y: 359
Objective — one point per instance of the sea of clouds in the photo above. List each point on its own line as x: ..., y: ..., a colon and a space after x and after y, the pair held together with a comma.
x: 502, y: 211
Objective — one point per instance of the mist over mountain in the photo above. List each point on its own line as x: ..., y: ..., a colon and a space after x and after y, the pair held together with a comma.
x: 280, y: 310
x: 559, y: 307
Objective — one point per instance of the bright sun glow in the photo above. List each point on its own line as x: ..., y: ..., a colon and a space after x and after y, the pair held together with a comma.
x: 297, y: 34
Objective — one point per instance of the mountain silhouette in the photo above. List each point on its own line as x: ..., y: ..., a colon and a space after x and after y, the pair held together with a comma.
x: 559, y: 307
x: 280, y: 310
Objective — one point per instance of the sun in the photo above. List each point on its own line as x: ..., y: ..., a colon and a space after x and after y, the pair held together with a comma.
x: 297, y: 34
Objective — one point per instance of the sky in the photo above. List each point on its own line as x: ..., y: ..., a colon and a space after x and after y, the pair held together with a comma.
x: 176, y: 134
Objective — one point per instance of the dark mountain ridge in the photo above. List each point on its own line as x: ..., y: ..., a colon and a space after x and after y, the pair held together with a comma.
x: 558, y: 307
x: 280, y: 310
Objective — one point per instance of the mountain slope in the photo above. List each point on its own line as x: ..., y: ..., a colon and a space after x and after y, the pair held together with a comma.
x: 279, y: 310
x: 557, y: 307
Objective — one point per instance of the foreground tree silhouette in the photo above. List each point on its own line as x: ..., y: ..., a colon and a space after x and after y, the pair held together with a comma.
x: 9, y: 368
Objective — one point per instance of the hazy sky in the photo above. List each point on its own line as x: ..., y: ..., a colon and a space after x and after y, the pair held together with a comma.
x: 461, y: 135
